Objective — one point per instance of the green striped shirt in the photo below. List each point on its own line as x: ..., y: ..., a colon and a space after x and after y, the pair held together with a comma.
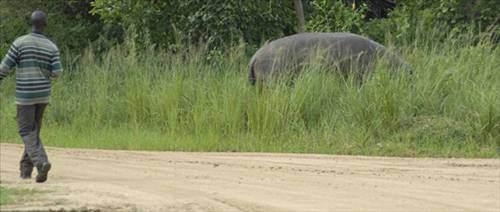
x: 37, y: 61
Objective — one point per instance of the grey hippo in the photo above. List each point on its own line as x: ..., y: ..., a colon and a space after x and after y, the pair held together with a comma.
x: 345, y: 52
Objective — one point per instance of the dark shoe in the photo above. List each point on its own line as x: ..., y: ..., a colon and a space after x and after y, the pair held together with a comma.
x: 43, y: 172
x: 25, y: 175
x: 26, y: 171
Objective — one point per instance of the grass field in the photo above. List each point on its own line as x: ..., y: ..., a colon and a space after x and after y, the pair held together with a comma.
x: 12, y: 195
x: 149, y: 100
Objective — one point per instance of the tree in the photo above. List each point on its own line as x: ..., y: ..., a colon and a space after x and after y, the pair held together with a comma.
x: 70, y: 24
x: 299, y: 10
x: 217, y: 23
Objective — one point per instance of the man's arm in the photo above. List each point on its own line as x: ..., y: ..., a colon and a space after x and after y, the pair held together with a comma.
x: 56, y: 66
x: 9, y: 62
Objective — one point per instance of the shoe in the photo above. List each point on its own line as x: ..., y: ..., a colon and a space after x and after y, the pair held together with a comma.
x: 25, y: 175
x: 26, y: 171
x: 43, y: 172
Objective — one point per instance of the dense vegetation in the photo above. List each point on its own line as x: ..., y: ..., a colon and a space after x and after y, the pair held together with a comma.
x: 76, y: 23
x: 171, y: 75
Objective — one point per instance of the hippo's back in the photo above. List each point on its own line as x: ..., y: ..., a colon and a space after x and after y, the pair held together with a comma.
x: 289, y: 53
x: 336, y: 40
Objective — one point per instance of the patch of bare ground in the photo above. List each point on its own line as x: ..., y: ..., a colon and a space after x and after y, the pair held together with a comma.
x: 96, y: 180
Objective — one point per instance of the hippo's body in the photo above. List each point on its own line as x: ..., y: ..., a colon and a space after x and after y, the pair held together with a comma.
x: 345, y: 52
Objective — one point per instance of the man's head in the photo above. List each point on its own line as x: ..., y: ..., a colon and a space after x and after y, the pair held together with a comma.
x: 38, y: 20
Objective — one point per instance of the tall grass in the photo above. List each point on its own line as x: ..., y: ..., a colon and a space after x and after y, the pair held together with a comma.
x: 151, y: 100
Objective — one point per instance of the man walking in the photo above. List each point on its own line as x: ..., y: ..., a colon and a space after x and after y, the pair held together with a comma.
x: 37, y: 61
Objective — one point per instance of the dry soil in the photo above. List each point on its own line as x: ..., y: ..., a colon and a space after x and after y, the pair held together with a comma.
x: 178, y: 181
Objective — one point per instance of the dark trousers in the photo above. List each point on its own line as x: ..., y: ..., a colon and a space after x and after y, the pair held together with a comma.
x: 29, y: 119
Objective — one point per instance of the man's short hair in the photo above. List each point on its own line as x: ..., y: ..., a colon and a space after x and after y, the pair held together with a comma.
x: 38, y: 18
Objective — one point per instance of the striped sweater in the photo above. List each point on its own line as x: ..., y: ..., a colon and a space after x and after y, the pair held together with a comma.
x: 37, y: 61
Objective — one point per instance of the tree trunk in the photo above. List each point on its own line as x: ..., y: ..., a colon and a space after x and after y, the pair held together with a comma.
x: 299, y: 10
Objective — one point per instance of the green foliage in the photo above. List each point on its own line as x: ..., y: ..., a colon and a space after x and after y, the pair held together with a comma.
x: 196, y: 97
x: 154, y: 100
x: 454, y: 12
x: 4, y: 196
x: 336, y: 16
x: 13, y: 195
x: 217, y: 22
x: 71, y: 26
x: 412, y: 19
x: 446, y: 130
x: 409, y: 20
x: 225, y: 23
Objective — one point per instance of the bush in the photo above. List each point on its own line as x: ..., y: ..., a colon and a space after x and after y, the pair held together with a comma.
x: 218, y: 23
x: 147, y: 99
x: 412, y: 20
x: 335, y: 16
x: 71, y: 26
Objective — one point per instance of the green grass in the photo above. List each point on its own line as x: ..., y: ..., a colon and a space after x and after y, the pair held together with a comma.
x: 13, y: 195
x: 150, y: 100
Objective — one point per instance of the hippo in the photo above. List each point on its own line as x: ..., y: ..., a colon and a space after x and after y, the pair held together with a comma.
x: 341, y: 51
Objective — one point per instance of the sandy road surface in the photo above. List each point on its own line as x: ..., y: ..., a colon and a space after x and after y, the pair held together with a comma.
x: 170, y: 181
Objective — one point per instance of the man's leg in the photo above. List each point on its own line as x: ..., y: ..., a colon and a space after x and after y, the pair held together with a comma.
x: 26, y: 166
x: 39, y: 111
x: 25, y: 120
x: 44, y: 167
x: 28, y: 130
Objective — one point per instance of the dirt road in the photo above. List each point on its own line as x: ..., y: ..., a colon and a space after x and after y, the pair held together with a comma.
x: 173, y: 181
